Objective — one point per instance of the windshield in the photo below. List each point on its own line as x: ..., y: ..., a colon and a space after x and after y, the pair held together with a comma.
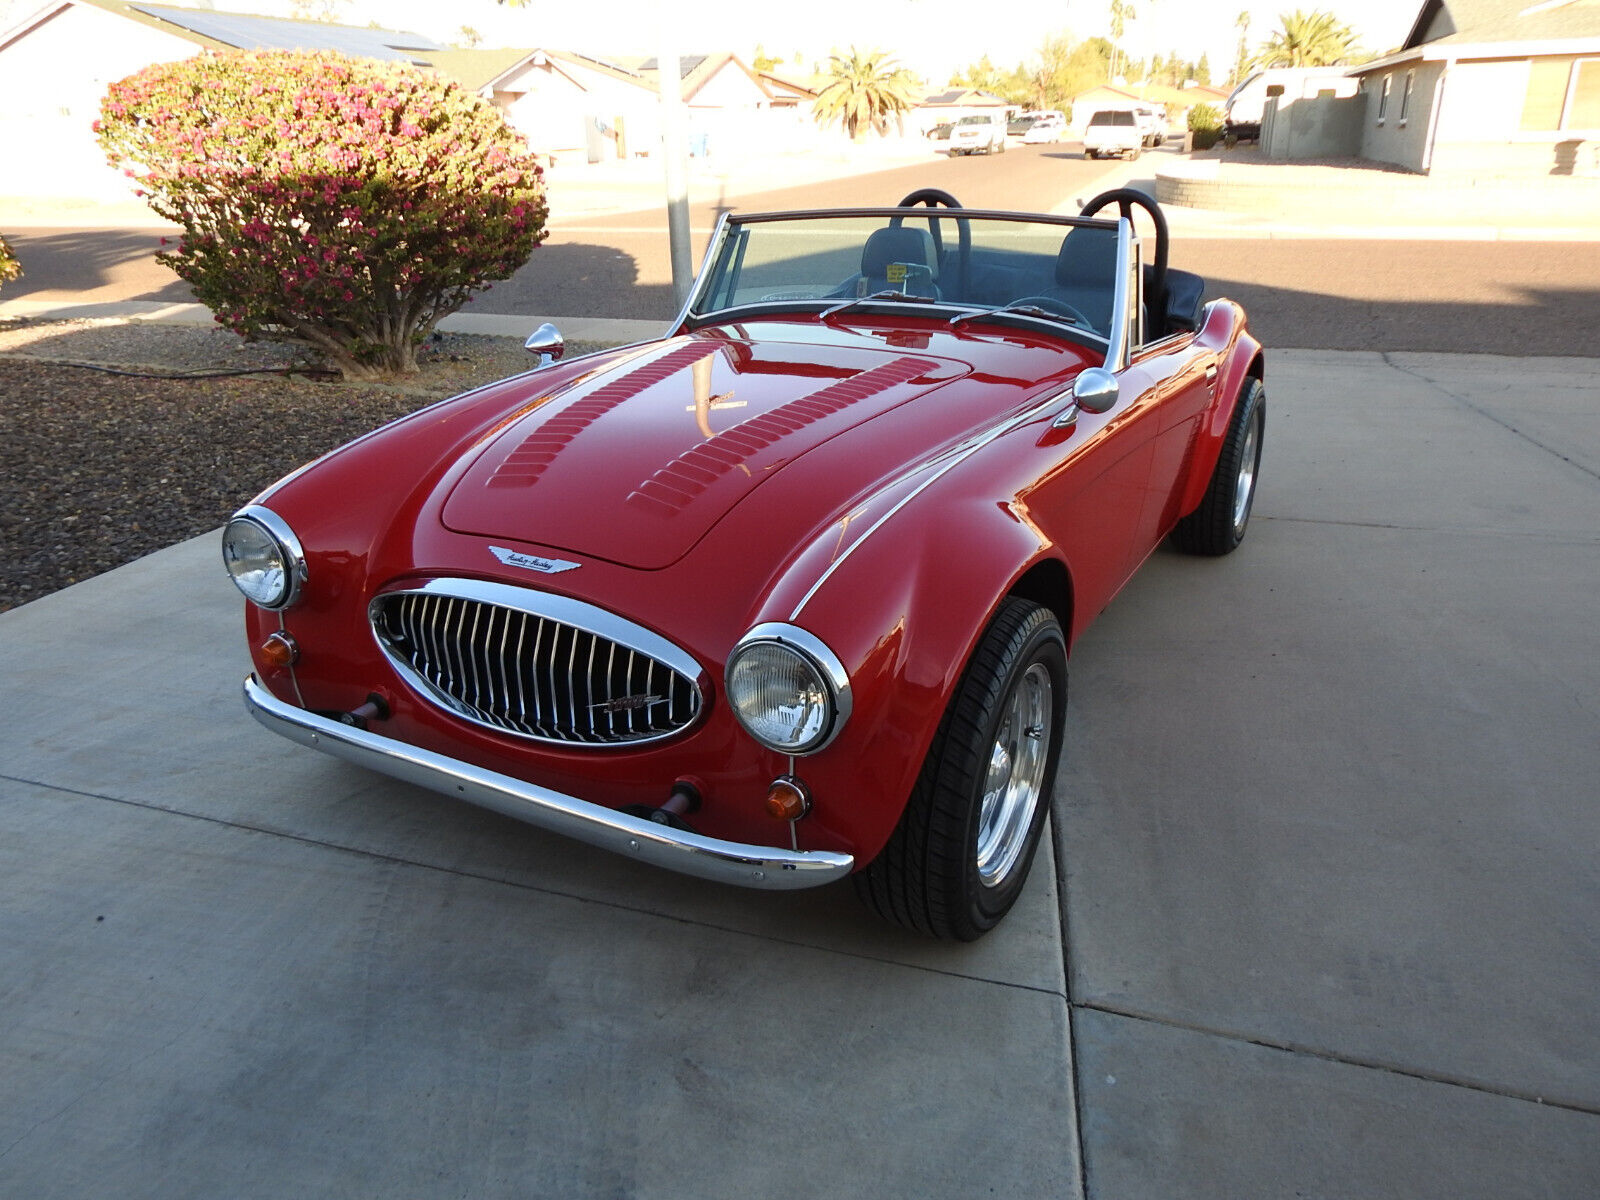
x: 1065, y: 268
x: 1112, y: 118
x: 975, y: 121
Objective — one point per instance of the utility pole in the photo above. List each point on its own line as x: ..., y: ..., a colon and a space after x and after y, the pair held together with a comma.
x: 675, y: 160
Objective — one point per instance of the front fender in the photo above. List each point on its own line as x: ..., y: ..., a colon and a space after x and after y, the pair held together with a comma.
x: 904, y: 613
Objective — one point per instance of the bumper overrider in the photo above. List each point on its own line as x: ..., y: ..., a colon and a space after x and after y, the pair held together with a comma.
x: 765, y: 867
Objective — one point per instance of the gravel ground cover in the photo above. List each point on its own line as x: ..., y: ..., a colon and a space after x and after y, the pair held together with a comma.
x: 98, y: 469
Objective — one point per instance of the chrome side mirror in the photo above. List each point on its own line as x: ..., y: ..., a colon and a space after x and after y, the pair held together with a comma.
x: 1095, y: 390
x: 547, y: 342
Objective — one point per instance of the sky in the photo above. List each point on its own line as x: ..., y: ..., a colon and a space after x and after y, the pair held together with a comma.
x: 932, y: 37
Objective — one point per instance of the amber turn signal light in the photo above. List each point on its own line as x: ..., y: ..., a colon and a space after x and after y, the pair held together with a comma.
x: 788, y: 799
x: 280, y: 650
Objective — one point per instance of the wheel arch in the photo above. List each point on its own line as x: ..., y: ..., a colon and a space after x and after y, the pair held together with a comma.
x: 1241, y: 359
x: 1048, y: 583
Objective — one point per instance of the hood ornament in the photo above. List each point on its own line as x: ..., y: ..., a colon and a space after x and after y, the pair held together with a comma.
x: 532, y: 562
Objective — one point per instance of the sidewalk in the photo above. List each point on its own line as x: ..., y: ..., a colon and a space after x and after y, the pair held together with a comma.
x: 1237, y: 193
x: 1316, y: 917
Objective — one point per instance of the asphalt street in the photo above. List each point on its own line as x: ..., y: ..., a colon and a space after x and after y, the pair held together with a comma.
x: 1537, y: 298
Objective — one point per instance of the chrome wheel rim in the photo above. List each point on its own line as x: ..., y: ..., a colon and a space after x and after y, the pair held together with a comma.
x: 1244, y: 489
x: 1014, y: 784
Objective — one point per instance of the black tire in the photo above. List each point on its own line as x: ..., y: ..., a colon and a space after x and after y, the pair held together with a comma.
x: 954, y: 866
x: 1218, y: 525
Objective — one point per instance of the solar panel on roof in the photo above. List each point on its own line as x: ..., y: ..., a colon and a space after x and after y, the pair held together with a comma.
x: 257, y: 33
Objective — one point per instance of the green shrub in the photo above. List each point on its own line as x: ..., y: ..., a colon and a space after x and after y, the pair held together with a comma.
x: 346, y: 204
x: 1205, y: 123
x: 10, y: 268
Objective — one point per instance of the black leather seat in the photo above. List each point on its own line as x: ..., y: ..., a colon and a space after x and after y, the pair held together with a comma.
x: 1086, y: 275
x: 900, y: 258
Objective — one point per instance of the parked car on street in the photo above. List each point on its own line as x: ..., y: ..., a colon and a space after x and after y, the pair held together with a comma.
x: 1045, y: 130
x: 1152, y: 124
x: 979, y: 133
x: 1113, y: 131
x: 788, y: 595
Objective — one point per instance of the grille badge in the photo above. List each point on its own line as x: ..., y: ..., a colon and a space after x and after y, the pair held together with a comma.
x: 532, y: 562
x: 626, y: 704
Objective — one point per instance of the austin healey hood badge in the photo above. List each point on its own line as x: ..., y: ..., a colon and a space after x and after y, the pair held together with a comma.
x: 532, y: 562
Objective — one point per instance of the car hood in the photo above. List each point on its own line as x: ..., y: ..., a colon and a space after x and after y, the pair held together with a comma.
x: 635, y: 463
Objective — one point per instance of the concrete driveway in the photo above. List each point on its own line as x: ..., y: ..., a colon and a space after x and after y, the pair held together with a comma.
x: 1320, y: 920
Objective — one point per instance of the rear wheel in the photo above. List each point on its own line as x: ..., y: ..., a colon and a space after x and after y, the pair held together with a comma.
x: 1218, y: 525
x: 957, y: 861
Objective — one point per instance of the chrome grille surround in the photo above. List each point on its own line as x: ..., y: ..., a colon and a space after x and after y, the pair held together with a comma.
x: 538, y: 666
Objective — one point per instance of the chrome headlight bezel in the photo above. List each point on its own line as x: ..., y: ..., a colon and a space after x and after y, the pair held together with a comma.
x: 289, y: 575
x: 810, y: 653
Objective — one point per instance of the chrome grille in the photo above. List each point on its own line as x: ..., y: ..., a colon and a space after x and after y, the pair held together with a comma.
x: 535, y: 665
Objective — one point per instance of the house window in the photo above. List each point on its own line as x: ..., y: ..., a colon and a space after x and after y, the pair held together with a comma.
x: 1583, y: 105
x: 1405, y: 97
x: 1383, y: 98
x: 1562, y: 94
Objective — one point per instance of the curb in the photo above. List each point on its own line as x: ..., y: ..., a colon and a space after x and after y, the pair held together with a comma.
x: 584, y: 329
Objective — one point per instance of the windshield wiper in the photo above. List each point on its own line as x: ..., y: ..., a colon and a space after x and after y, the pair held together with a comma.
x: 891, y: 294
x: 1026, y: 309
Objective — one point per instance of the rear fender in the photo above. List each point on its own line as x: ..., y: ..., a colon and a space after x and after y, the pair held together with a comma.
x: 1238, y: 359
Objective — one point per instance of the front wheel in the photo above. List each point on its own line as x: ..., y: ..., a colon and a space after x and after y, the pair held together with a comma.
x: 1218, y: 525
x: 957, y: 861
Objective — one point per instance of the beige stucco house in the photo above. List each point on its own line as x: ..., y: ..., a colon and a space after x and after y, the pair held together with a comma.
x: 942, y: 108
x: 58, y: 59
x: 1488, y: 87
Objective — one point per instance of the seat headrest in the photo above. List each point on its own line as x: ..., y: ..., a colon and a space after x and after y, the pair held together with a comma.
x: 902, y: 244
x: 1088, y: 257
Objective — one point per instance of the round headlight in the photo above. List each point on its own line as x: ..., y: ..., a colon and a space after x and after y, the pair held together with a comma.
x: 264, y: 558
x: 787, y: 689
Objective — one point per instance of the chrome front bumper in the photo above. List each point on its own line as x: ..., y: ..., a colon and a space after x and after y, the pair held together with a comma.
x: 675, y: 849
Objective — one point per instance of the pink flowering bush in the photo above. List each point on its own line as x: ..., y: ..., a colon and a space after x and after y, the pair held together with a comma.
x: 347, y: 204
x: 10, y: 268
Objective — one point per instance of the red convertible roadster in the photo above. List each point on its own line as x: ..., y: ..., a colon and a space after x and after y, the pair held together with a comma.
x: 789, y: 594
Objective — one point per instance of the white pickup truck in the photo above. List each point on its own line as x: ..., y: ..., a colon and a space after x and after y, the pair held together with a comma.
x: 984, y: 132
x: 1113, y: 131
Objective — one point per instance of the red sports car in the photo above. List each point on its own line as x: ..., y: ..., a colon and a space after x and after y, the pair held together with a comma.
x: 789, y: 594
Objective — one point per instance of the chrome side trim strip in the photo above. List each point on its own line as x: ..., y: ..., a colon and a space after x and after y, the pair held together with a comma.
x: 764, y: 867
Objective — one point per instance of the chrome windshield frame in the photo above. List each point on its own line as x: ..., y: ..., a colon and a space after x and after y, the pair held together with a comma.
x: 1125, y: 308
x: 728, y: 222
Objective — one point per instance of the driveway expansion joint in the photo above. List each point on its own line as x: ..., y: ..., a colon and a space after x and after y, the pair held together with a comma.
x: 1504, y: 1092
x: 1388, y: 358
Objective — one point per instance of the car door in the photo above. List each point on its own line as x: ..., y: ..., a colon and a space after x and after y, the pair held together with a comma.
x: 1180, y: 374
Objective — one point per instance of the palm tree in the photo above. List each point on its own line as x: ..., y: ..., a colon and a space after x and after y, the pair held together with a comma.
x: 1121, y: 13
x: 864, y: 92
x: 1314, y: 39
x: 1241, y: 61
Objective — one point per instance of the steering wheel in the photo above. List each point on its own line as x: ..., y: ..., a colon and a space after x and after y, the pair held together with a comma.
x: 1054, y: 304
x: 1126, y: 199
x: 939, y: 198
